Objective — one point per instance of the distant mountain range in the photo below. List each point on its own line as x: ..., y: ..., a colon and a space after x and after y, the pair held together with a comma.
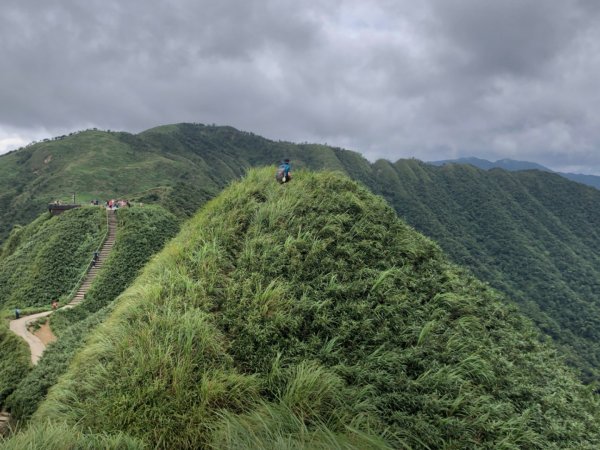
x: 513, y: 165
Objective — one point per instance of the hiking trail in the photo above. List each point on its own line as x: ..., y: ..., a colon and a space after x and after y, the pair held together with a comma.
x: 19, y: 326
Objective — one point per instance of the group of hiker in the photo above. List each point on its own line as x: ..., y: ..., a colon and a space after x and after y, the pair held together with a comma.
x: 116, y: 204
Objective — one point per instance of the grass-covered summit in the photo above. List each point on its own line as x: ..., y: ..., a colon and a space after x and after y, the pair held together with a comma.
x: 309, y: 316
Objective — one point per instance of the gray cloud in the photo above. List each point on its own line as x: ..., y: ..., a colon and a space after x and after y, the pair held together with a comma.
x: 433, y: 79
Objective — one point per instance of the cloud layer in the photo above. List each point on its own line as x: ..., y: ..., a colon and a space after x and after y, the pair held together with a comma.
x: 434, y: 79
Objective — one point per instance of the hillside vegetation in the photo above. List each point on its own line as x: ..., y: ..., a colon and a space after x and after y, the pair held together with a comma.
x: 14, y: 361
x: 141, y: 232
x: 44, y: 260
x: 532, y: 235
x: 309, y: 316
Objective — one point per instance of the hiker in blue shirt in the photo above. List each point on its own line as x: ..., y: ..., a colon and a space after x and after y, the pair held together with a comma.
x: 283, y: 172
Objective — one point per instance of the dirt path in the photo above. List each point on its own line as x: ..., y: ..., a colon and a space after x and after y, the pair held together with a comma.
x: 45, y: 334
x: 37, y: 345
x: 19, y: 327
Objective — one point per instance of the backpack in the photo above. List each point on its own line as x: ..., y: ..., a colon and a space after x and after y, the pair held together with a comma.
x: 280, y: 173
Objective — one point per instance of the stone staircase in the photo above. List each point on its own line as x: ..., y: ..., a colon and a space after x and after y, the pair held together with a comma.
x: 104, y: 252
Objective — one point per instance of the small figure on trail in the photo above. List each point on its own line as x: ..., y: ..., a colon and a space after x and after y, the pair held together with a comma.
x: 17, y: 313
x: 95, y: 258
x: 283, y: 174
x: 54, y: 305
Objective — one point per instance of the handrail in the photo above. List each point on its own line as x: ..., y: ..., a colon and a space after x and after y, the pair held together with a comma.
x: 87, y: 269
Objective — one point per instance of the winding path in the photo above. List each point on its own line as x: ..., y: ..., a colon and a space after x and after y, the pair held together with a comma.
x: 19, y: 326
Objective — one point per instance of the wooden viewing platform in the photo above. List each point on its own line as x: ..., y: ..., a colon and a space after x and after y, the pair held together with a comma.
x: 58, y: 208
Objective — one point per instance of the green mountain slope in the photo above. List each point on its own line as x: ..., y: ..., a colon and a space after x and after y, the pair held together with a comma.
x: 512, y: 165
x: 308, y: 316
x: 44, y: 260
x: 530, y: 234
x: 182, y: 165
x: 141, y: 232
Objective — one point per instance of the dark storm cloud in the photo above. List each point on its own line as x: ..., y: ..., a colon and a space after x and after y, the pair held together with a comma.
x: 432, y: 79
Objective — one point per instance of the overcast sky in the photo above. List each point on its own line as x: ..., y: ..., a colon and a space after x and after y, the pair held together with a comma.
x: 431, y: 79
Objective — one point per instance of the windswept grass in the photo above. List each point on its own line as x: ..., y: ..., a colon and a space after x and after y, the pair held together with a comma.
x: 308, y: 316
x: 56, y: 436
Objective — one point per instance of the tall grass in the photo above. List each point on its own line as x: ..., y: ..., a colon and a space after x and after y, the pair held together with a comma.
x: 14, y: 361
x: 57, y: 436
x: 308, y: 316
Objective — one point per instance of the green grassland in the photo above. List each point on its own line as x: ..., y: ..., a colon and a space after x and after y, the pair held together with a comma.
x: 309, y: 316
x: 141, y: 232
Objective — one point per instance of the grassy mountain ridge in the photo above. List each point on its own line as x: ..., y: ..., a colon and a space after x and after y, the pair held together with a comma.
x: 532, y: 235
x: 308, y: 316
x: 529, y: 234
x: 513, y: 165
x: 103, y: 165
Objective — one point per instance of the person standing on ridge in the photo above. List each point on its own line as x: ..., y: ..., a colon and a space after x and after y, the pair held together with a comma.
x: 17, y: 313
x: 283, y: 174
